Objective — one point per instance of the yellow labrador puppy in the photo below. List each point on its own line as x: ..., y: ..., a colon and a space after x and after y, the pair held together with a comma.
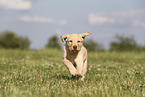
x: 75, y: 54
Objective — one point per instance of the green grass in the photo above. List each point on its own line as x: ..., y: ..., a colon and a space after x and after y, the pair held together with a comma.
x: 42, y: 74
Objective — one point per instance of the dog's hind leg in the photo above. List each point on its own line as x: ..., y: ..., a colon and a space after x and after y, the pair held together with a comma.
x: 85, y: 67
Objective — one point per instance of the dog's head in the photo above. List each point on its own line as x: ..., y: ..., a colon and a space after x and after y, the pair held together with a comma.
x: 74, y: 41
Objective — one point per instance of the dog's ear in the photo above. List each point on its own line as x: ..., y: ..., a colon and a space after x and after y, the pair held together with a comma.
x: 64, y: 37
x: 85, y: 34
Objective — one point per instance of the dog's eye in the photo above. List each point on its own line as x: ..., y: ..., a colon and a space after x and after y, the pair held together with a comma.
x: 79, y: 41
x: 70, y: 41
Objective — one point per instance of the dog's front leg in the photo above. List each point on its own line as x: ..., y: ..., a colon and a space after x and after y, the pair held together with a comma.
x: 70, y: 66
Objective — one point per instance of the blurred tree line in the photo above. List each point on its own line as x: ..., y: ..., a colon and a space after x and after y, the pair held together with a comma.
x: 53, y: 42
x: 120, y: 43
x: 124, y: 43
x: 9, y: 40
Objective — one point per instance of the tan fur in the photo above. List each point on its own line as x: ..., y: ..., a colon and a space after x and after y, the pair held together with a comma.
x: 75, y: 54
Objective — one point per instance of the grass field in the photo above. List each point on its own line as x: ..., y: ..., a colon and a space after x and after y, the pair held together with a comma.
x: 42, y: 74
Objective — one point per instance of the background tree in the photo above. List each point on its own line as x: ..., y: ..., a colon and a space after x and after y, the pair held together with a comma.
x: 9, y: 39
x: 53, y: 42
x: 142, y: 48
x: 123, y: 43
x: 91, y: 45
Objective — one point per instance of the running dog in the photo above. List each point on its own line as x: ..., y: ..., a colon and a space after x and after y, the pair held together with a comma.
x: 75, y: 54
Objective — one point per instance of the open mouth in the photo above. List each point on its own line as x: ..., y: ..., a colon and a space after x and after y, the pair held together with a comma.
x: 74, y: 50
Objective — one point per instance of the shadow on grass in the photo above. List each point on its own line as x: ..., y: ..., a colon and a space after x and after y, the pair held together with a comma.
x: 64, y: 77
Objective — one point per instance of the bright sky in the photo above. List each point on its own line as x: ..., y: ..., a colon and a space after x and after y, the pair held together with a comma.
x: 40, y: 19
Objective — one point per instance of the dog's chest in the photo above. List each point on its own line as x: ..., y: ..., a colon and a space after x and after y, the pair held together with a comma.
x: 72, y: 57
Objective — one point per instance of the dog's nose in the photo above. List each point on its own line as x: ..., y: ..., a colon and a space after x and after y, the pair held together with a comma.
x: 75, y: 47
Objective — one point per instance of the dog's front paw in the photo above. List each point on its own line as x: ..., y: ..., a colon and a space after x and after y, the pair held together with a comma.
x: 73, y: 72
x: 82, y: 79
x: 78, y: 77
